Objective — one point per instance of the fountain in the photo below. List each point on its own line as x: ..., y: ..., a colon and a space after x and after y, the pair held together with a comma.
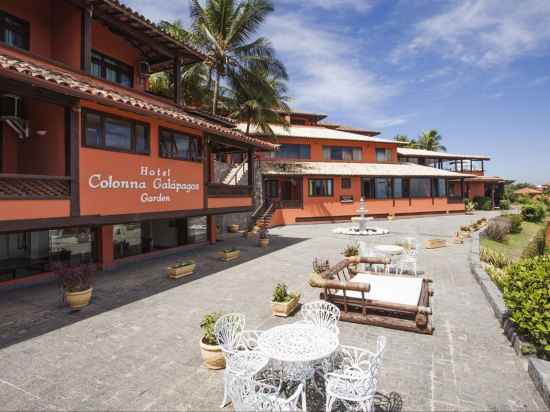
x: 362, y: 229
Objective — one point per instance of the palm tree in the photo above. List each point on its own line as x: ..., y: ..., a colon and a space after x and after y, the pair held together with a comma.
x: 405, y: 139
x: 258, y: 99
x: 431, y: 141
x: 223, y: 28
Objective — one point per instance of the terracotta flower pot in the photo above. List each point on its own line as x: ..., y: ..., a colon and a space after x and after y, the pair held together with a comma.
x: 284, y: 308
x: 212, y: 356
x: 264, y: 243
x: 176, y: 272
x: 78, y: 300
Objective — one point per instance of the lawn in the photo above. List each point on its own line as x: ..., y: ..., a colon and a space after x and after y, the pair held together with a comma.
x: 515, y: 244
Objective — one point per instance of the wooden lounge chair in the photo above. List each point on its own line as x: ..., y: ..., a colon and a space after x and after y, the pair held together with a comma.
x: 397, y: 302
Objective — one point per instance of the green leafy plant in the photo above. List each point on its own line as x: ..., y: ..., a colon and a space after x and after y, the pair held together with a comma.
x: 505, y: 204
x: 281, y: 295
x: 494, y: 258
x: 207, y: 326
x: 498, y: 229
x: 469, y: 206
x: 351, y: 250
x: 497, y: 275
x: 483, y: 203
x: 527, y: 295
x: 230, y: 250
x: 516, y: 222
x: 537, y: 246
x: 533, y: 212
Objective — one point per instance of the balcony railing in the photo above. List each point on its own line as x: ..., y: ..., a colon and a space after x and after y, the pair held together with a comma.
x: 34, y: 187
x: 221, y: 190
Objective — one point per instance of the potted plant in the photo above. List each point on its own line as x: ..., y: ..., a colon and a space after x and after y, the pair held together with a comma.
x: 263, y: 235
x: 465, y: 231
x: 283, y: 303
x: 230, y: 254
x: 211, y: 351
x: 352, y: 251
x: 181, y: 269
x: 469, y: 207
x: 76, y: 282
x: 234, y: 228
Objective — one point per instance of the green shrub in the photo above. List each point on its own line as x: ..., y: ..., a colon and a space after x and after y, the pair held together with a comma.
x: 207, y: 326
x: 526, y: 293
x: 497, y: 275
x: 533, y: 212
x: 494, y: 258
x: 498, y: 229
x: 280, y: 293
x: 351, y: 250
x: 505, y: 204
x: 516, y: 222
x: 483, y: 203
x: 536, y: 246
x: 469, y: 206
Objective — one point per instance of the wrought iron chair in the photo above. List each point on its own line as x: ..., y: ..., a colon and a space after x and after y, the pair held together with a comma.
x: 356, y: 379
x: 322, y: 313
x: 236, y: 343
x: 249, y: 394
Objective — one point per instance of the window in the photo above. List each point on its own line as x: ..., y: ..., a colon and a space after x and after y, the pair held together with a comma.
x: 14, y: 31
x: 420, y: 187
x: 383, y: 155
x: 271, y: 189
x: 439, y: 187
x: 346, y: 183
x: 367, y: 188
x: 320, y: 187
x: 175, y: 145
x: 397, y: 187
x: 291, y: 151
x: 107, y: 132
x: 342, y: 153
x: 106, y: 68
x: 382, y: 187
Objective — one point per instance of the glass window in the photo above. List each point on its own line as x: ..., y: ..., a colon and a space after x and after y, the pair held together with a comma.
x: 127, y: 240
x: 398, y: 187
x: 14, y: 31
x: 196, y: 229
x: 346, y: 183
x: 320, y: 187
x: 118, y: 134
x: 342, y: 153
x: 383, y: 155
x: 272, y: 188
x: 382, y: 188
x: 441, y: 187
x: 174, y: 145
x: 292, y: 151
x: 367, y: 188
x: 420, y: 187
x: 112, y: 70
x: 93, y: 129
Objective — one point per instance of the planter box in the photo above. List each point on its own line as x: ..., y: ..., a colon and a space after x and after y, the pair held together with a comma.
x: 435, y: 243
x: 176, y: 272
x: 233, y: 228
x: 284, y: 308
x: 229, y: 256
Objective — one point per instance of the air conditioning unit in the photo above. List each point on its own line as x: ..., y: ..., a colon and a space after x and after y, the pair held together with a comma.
x: 11, y: 113
x: 144, y: 68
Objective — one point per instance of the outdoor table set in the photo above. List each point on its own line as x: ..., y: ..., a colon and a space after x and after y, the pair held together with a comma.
x: 259, y: 368
x: 401, y: 257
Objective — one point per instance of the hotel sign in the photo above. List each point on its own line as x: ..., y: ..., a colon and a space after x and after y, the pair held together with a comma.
x: 148, y: 179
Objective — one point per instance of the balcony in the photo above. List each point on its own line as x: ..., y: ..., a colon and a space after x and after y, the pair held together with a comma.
x: 34, y: 187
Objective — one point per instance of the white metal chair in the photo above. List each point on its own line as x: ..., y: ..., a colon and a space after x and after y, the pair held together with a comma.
x: 236, y: 343
x: 409, y: 260
x: 364, y: 251
x: 356, y: 379
x: 322, y: 313
x: 265, y: 395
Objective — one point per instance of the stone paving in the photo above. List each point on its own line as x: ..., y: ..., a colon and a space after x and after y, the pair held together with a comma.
x: 136, y: 346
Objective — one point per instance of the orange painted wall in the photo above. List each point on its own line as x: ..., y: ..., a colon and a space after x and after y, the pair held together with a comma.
x: 221, y: 202
x: 125, y: 166
x: 33, y: 209
x: 43, y: 155
x: 66, y: 34
x: 316, y: 148
x: 476, y: 189
x: 108, y: 43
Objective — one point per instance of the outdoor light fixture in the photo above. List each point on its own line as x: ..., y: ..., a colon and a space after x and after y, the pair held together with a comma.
x: 41, y: 132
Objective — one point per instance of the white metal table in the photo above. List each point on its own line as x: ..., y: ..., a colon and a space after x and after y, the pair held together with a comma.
x: 390, y: 249
x: 296, y: 349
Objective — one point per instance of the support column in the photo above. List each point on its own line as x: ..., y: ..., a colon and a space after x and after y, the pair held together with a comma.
x: 105, y: 242
x: 178, y: 89
x: 251, y: 165
x: 72, y: 125
x: 86, y: 46
x: 493, y: 195
x: 212, y: 230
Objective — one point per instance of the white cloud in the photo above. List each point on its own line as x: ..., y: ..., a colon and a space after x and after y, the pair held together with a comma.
x: 326, y: 69
x: 361, y: 6
x: 485, y: 33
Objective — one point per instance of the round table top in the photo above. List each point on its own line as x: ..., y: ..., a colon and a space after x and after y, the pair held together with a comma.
x: 298, y: 342
x: 390, y: 249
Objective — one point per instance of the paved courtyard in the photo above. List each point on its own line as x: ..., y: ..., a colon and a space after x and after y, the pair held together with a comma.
x: 136, y: 346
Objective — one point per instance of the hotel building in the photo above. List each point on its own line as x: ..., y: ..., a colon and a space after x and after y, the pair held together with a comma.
x: 93, y: 167
x: 322, y: 170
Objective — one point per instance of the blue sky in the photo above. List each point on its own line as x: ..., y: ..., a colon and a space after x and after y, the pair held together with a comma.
x: 476, y: 70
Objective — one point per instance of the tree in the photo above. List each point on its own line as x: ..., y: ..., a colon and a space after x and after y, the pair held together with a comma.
x: 405, y: 139
x: 431, y: 141
x: 223, y: 29
x: 258, y: 100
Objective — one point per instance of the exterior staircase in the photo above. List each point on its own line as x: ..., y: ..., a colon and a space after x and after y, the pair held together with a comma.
x: 262, y: 216
x: 237, y: 175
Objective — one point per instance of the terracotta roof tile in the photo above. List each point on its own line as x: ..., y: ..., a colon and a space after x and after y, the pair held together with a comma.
x: 87, y: 85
